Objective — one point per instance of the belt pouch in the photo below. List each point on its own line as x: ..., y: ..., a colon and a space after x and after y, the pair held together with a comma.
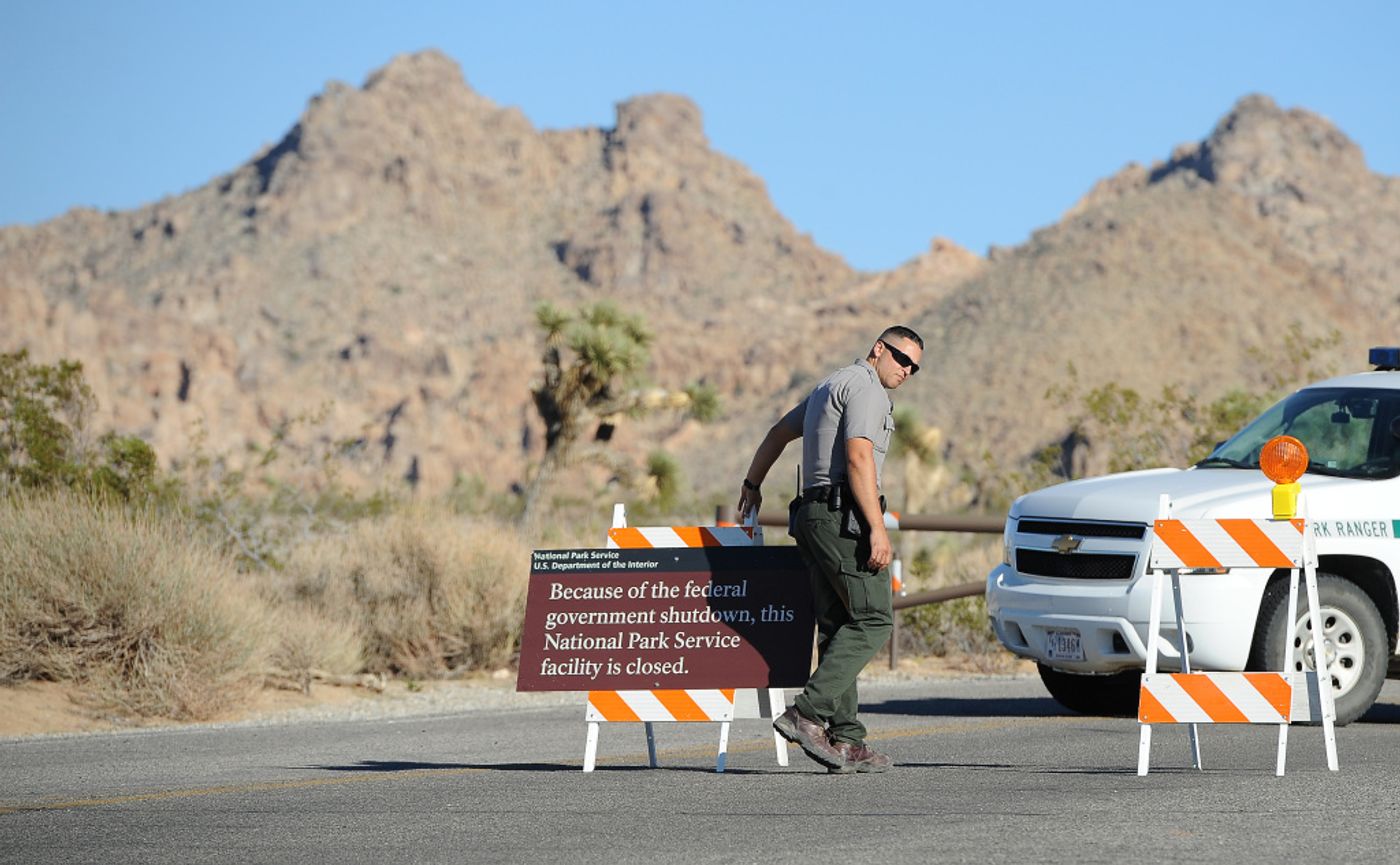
x: 850, y: 521
x: 845, y: 503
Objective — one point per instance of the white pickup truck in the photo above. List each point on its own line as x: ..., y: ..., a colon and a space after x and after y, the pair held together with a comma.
x: 1070, y: 594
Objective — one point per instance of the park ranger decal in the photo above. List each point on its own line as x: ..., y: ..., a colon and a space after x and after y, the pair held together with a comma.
x: 1356, y: 528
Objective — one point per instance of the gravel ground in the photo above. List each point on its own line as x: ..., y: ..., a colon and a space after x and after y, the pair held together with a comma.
x: 437, y: 698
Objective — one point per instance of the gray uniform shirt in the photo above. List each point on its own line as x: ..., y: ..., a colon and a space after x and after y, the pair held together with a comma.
x: 849, y: 403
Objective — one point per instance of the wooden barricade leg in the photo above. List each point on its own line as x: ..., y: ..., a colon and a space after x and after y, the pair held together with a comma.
x: 1290, y: 635
x: 1324, y: 676
x: 1154, y: 626
x: 590, y: 747
x: 766, y: 703
x: 776, y: 706
x: 1193, y: 732
x: 723, y: 756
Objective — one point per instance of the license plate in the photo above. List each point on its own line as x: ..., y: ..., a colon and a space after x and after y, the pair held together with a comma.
x: 1063, y: 646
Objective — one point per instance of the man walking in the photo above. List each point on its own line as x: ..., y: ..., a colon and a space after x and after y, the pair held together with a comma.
x: 845, y: 425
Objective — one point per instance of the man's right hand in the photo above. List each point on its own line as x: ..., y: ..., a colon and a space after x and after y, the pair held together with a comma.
x: 749, y: 501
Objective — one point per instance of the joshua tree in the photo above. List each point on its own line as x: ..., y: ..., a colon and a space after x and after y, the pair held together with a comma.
x: 593, y: 359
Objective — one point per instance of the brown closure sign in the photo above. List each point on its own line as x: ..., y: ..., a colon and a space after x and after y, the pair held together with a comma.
x: 668, y: 618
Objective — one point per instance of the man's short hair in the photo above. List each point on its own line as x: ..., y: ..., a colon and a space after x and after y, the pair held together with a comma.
x: 904, y: 332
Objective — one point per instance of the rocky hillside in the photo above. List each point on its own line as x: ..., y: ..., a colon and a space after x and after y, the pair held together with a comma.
x: 375, y: 273
x: 1186, y: 272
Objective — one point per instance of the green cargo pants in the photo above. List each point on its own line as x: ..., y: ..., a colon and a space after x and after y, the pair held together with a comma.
x: 854, y: 619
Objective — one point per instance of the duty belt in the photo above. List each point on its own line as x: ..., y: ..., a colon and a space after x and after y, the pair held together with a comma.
x: 830, y: 492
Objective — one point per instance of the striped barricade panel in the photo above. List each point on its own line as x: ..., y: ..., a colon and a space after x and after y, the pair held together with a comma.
x: 679, y: 536
x: 1215, y: 698
x: 701, y: 704
x: 1185, y: 544
x: 661, y: 537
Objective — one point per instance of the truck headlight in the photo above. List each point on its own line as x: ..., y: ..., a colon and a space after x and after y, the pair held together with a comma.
x: 1008, y: 534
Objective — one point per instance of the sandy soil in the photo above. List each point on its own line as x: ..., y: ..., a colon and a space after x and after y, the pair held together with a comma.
x: 33, y: 708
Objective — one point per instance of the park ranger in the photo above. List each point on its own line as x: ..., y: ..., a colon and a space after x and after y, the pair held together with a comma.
x: 845, y: 424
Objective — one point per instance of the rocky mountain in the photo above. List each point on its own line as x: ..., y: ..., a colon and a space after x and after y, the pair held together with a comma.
x: 1186, y: 272
x: 374, y: 274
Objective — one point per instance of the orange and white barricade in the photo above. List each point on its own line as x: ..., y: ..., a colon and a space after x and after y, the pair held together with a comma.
x: 1232, y: 698
x: 646, y: 537
x: 721, y: 705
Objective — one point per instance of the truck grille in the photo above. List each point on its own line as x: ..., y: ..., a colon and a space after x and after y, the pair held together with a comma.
x: 1075, y: 566
x: 1083, y: 530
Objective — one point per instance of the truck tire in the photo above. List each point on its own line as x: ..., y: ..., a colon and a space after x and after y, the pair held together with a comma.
x: 1354, y: 632
x: 1114, y: 695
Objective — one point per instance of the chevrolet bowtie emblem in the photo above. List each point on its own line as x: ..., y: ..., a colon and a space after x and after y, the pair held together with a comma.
x: 1066, y: 544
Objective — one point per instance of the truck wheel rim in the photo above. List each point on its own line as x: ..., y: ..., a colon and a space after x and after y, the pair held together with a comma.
x: 1346, y: 650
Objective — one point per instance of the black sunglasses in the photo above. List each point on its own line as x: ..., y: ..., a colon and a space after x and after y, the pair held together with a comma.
x: 901, y: 358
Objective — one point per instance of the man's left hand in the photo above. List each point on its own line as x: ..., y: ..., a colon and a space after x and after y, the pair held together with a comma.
x: 881, y: 550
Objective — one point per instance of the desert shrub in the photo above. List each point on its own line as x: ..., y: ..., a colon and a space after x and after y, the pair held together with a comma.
x: 950, y: 628
x: 307, y: 639
x: 1114, y: 428
x: 664, y: 473
x: 134, y: 609
x: 44, y: 443
x: 958, y: 627
x: 430, y: 593
x: 1177, y: 428
x: 278, y: 494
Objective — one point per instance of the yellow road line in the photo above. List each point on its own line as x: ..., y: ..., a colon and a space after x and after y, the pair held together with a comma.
x: 747, y: 747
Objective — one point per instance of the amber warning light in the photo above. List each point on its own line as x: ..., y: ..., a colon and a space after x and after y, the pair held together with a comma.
x: 1284, y: 459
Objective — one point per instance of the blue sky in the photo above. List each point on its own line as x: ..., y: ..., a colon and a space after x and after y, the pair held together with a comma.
x: 876, y: 126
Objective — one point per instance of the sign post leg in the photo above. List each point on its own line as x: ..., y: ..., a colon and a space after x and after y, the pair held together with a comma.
x: 1290, y: 637
x: 590, y: 748
x: 1324, y: 675
x: 776, y: 706
x: 723, y: 756
x: 1154, y: 625
x: 1193, y: 733
x: 651, y: 745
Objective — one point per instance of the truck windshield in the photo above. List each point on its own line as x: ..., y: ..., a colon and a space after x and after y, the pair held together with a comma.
x: 1349, y: 432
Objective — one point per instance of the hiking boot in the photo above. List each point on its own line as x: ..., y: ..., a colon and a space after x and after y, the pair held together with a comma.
x: 860, y: 758
x: 801, y: 730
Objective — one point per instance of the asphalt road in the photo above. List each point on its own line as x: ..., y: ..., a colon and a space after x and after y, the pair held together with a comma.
x: 988, y: 770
